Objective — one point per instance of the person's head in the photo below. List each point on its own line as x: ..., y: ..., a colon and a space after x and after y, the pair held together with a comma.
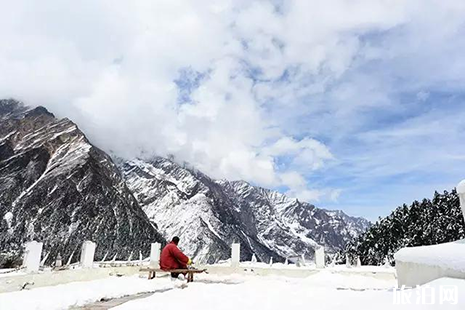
x: 175, y: 240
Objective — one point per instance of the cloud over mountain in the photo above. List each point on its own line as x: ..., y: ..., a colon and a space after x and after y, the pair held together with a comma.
x: 287, y: 94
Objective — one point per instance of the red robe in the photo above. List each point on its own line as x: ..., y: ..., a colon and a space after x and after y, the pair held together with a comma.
x: 172, y: 258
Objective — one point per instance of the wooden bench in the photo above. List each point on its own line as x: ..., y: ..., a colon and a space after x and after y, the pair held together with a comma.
x: 190, y: 272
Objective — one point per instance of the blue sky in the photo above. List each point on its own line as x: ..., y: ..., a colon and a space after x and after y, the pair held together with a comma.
x: 352, y: 105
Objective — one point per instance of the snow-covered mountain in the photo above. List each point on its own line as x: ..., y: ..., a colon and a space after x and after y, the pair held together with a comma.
x: 56, y: 187
x: 208, y: 215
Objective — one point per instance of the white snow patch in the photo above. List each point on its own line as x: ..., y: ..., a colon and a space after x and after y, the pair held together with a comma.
x: 8, y: 217
x: 72, y: 228
x: 7, y: 136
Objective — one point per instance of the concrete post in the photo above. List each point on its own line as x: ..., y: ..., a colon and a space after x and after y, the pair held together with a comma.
x: 461, y: 192
x: 320, y: 257
x: 359, y: 262
x: 333, y: 261
x: 348, y: 264
x: 271, y: 261
x: 235, y: 254
x: 387, y: 264
x: 32, y: 256
x: 254, y: 258
x: 155, y: 255
x: 58, y: 261
x: 87, y: 254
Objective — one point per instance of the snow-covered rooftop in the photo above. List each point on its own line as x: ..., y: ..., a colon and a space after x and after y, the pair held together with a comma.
x: 447, y: 255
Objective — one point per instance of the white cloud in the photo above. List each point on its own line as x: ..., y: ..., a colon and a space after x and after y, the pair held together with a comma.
x: 422, y: 95
x: 293, y: 179
x: 315, y: 195
x: 274, y: 78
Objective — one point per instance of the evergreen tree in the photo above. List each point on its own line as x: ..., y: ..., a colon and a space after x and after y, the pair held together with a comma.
x: 422, y: 223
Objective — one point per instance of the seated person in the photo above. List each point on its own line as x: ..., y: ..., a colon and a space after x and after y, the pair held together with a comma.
x: 172, y: 258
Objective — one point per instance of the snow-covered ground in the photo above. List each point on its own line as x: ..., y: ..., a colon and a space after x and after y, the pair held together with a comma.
x: 80, y: 293
x: 324, y: 290
x: 10, y: 273
x: 321, y: 291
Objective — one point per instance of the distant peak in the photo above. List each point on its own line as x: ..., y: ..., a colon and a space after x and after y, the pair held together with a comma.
x: 17, y: 107
x: 39, y: 111
x: 10, y: 105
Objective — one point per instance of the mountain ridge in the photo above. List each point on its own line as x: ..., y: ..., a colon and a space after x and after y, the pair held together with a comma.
x: 58, y: 188
x: 263, y: 220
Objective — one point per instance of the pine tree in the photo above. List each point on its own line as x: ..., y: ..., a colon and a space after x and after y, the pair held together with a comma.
x: 422, y: 223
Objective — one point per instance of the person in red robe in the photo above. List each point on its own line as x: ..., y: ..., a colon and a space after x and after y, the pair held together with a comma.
x: 172, y: 258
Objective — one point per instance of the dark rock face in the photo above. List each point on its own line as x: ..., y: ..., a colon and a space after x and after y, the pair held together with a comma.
x: 209, y: 215
x: 57, y: 188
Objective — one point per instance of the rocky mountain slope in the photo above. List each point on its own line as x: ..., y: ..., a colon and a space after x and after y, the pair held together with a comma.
x: 56, y: 187
x: 209, y: 215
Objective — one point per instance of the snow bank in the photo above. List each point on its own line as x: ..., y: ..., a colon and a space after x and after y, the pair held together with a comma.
x: 419, y: 265
x: 447, y: 255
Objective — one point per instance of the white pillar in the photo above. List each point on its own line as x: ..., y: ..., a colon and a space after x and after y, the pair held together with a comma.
x: 87, y: 254
x: 387, y: 264
x: 461, y: 192
x: 254, y: 258
x: 155, y: 255
x: 235, y: 254
x: 348, y: 264
x: 359, y: 262
x: 32, y: 256
x: 58, y: 261
x: 320, y: 257
x: 333, y: 261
